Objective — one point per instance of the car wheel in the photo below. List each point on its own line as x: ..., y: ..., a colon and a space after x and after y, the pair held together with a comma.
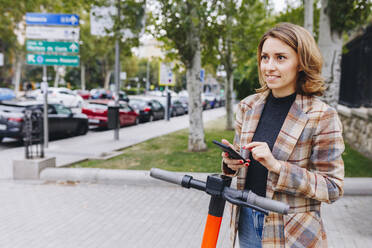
x: 1, y: 139
x: 82, y: 130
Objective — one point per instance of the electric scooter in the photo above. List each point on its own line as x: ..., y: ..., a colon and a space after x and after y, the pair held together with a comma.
x: 218, y: 186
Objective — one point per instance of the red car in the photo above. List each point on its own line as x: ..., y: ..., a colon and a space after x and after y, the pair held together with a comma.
x: 96, y: 110
x: 85, y: 94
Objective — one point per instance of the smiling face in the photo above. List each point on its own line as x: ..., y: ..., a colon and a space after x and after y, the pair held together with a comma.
x: 279, y: 67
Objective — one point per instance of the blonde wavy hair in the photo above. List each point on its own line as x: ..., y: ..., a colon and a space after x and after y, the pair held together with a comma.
x: 310, y: 81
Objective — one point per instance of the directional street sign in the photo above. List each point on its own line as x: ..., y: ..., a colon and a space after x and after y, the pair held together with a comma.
x: 52, y: 47
x: 52, y: 19
x: 55, y: 33
x: 47, y: 59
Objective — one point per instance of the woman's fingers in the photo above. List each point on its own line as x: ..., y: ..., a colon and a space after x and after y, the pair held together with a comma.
x: 233, y: 164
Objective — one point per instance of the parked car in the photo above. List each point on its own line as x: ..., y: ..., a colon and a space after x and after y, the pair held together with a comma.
x: 212, y: 99
x: 101, y: 94
x: 61, y: 120
x: 85, y: 94
x: 123, y: 96
x: 147, y: 108
x: 97, y: 112
x: 176, y: 107
x: 61, y: 95
x: 185, y: 103
x: 6, y: 94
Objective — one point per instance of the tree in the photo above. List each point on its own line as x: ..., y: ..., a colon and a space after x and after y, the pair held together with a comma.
x: 309, y: 15
x: 181, y: 25
x: 237, y: 28
x: 337, y: 17
x: 127, y: 29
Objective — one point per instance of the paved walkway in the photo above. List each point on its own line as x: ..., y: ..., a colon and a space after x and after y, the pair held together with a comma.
x: 38, y: 214
x: 101, y: 144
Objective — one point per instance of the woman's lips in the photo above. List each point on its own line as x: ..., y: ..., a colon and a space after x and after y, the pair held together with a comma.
x: 271, y: 77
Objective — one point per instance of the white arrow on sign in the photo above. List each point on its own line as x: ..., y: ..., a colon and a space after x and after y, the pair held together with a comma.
x: 31, y: 58
x: 73, y: 20
x: 74, y: 47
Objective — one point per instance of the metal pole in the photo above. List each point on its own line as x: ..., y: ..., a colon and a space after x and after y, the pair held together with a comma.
x: 117, y: 72
x: 168, y: 103
x: 148, y: 75
x: 45, y: 92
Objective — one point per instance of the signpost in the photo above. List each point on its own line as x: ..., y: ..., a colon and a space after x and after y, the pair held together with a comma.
x: 166, y: 78
x: 52, y: 19
x: 52, y: 46
x: 53, y: 40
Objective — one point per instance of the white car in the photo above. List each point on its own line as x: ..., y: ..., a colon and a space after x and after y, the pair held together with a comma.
x: 64, y: 96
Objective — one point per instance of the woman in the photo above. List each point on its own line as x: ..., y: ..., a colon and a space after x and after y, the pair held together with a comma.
x: 295, y: 143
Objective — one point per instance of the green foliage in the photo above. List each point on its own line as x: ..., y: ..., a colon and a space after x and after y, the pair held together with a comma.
x: 296, y: 16
x: 356, y: 165
x: 246, y: 79
x: 134, y: 91
x: 181, y: 25
x: 348, y: 14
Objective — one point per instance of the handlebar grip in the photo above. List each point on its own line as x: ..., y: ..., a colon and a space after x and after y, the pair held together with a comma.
x: 167, y: 176
x: 268, y: 204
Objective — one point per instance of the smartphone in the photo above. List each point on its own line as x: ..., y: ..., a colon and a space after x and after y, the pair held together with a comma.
x: 232, y: 153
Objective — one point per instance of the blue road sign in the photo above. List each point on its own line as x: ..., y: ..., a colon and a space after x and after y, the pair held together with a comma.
x: 202, y: 72
x: 52, y: 19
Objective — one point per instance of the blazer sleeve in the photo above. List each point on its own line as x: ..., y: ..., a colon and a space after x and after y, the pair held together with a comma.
x: 238, y: 128
x: 324, y: 177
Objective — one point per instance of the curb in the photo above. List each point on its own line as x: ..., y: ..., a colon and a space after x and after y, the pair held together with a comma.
x: 352, y: 185
x: 108, y: 176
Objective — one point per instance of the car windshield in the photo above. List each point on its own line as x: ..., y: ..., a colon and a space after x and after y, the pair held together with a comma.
x: 62, y: 109
x: 137, y: 103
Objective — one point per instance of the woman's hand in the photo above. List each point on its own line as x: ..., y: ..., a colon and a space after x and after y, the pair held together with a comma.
x: 261, y: 152
x: 234, y: 164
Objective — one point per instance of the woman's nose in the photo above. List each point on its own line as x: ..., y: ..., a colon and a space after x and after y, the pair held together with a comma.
x: 271, y: 64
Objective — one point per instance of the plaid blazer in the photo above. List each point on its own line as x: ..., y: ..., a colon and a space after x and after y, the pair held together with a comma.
x: 309, y: 147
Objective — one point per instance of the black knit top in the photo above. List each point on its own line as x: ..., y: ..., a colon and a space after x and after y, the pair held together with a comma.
x: 268, y: 128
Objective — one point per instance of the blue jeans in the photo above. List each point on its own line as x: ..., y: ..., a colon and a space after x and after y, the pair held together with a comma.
x: 250, y: 228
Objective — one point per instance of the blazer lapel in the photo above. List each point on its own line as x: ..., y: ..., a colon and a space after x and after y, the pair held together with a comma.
x: 287, y: 138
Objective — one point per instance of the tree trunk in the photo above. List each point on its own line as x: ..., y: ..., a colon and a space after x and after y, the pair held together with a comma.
x: 229, y: 100
x: 57, y: 78
x: 107, y: 79
x: 309, y: 13
x: 330, y: 44
x: 82, y: 76
x: 194, y: 88
x: 16, y: 81
x: 228, y: 65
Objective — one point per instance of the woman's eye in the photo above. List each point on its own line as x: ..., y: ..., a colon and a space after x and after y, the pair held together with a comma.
x: 264, y: 57
x: 280, y: 57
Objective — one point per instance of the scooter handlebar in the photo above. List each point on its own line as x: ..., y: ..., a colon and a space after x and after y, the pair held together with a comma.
x: 266, y: 203
x: 167, y: 176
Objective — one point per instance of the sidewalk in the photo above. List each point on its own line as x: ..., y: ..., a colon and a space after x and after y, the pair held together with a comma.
x: 102, y: 144
x: 59, y: 215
